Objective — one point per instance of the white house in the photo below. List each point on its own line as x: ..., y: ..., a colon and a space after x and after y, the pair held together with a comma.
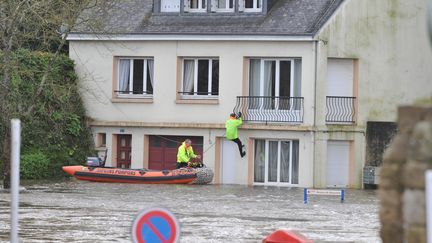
x: 308, y: 75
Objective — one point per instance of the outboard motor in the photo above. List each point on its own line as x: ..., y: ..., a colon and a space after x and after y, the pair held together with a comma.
x: 94, y: 162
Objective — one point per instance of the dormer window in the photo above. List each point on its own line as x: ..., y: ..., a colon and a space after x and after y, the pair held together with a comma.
x: 168, y: 6
x: 252, y: 5
x: 224, y: 5
x: 196, y: 5
x: 211, y: 6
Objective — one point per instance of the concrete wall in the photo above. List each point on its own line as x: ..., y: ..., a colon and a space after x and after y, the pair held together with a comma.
x: 94, y: 64
x: 389, y: 39
x: 389, y: 42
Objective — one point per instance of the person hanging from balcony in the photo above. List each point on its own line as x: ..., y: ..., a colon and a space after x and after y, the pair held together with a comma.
x: 185, y: 154
x: 231, y: 126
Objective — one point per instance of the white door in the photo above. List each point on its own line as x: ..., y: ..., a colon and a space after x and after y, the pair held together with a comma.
x: 340, y: 77
x: 337, y: 163
x: 228, y: 170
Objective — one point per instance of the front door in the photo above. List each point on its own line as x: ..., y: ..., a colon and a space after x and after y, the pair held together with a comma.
x: 229, y: 157
x: 124, y: 151
x: 276, y: 162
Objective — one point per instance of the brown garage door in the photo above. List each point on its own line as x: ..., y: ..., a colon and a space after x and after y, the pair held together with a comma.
x: 163, y: 150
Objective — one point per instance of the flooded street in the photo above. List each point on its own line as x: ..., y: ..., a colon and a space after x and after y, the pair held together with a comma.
x: 77, y: 211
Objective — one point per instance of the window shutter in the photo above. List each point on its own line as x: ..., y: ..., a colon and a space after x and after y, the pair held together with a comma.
x: 213, y: 5
x: 186, y: 5
x: 241, y: 5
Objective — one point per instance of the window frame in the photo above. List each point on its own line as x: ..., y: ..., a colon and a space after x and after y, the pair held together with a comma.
x: 144, y: 95
x: 162, y: 10
x: 209, y: 96
x: 225, y: 10
x: 200, y: 8
x: 101, y: 140
x: 266, y: 163
x: 255, y: 9
x: 277, y: 74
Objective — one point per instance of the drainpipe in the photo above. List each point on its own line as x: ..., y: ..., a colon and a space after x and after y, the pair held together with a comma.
x: 430, y: 19
x: 314, y: 128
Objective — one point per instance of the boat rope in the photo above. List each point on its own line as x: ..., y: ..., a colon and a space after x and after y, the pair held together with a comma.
x: 179, y: 143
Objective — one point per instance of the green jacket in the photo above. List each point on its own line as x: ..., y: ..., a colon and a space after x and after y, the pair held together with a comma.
x: 231, y: 126
x: 184, y: 155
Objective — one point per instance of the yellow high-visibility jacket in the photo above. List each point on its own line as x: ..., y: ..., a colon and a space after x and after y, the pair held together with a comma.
x: 231, y: 126
x: 184, y: 155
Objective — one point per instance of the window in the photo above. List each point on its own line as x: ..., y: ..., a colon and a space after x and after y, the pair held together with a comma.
x: 170, y: 6
x: 196, y: 5
x: 276, y: 162
x: 251, y: 5
x: 224, y: 5
x: 135, y: 77
x: 101, y: 140
x: 274, y: 77
x: 200, y: 77
x: 275, y: 84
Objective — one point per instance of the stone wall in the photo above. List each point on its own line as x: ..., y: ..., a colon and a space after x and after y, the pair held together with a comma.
x: 402, y: 186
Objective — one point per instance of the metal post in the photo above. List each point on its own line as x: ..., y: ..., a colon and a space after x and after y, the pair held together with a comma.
x: 430, y: 19
x: 305, y: 199
x: 428, y: 182
x: 15, y: 163
x: 342, y: 196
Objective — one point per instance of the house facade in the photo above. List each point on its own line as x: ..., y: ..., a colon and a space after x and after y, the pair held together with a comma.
x: 307, y: 76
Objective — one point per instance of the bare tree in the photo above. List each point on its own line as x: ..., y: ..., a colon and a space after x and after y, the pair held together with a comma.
x: 41, y: 25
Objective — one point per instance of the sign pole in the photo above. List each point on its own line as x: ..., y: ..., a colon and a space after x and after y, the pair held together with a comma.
x: 15, y: 164
x: 305, y: 199
x: 429, y: 205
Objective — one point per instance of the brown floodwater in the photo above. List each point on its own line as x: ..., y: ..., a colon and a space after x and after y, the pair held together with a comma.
x: 79, y: 211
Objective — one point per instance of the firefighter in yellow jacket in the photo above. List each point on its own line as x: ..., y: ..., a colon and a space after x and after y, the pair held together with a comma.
x: 185, y: 153
x: 231, y: 126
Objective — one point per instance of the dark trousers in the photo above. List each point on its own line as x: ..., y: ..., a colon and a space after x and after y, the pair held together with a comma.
x: 239, y: 144
x: 181, y: 165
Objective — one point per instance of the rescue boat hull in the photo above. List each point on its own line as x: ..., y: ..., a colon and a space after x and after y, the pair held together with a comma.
x: 137, y: 176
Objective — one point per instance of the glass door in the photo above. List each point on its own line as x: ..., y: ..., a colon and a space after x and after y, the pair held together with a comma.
x: 276, y: 162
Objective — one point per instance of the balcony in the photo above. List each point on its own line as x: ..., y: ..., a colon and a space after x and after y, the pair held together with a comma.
x: 340, y: 109
x: 270, y: 108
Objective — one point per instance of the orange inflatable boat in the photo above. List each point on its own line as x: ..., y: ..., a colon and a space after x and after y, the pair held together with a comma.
x: 144, y: 176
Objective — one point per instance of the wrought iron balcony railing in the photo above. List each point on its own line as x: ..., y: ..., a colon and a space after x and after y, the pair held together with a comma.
x: 340, y: 109
x: 270, y: 108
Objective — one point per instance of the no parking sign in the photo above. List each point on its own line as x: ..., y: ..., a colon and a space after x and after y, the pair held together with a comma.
x: 155, y: 225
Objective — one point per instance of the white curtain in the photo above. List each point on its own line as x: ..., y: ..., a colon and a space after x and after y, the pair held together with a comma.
x: 268, y: 77
x: 254, y: 73
x: 272, y: 161
x: 297, y: 82
x: 254, y: 82
x: 124, y: 70
x: 295, y: 162
x: 150, y: 64
x: 268, y: 81
x: 188, y: 76
x: 284, y: 166
x: 222, y: 4
x: 259, y: 163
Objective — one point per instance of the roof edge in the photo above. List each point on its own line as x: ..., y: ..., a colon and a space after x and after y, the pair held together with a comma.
x: 326, y: 21
x: 187, y: 37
